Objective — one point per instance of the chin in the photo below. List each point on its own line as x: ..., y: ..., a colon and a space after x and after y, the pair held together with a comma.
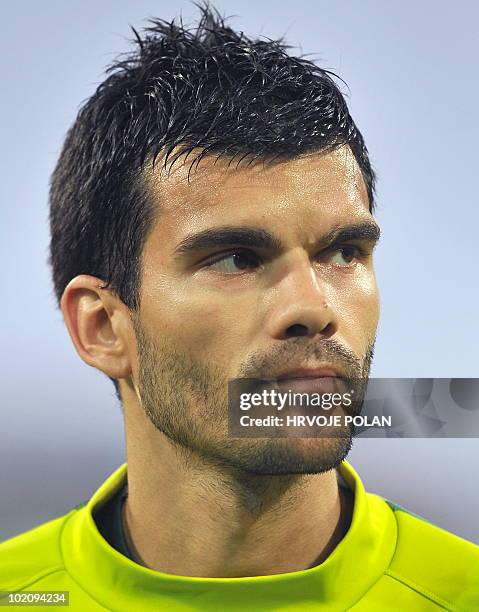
x: 288, y: 456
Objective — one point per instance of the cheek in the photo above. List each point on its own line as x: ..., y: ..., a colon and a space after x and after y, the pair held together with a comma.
x: 205, y: 324
x: 358, y: 310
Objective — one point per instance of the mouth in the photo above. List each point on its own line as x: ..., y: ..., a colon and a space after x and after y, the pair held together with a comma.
x: 311, y: 380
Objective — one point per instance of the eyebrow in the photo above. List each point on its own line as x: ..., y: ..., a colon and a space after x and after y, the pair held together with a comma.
x: 252, y: 237
x: 228, y: 236
x: 365, y: 230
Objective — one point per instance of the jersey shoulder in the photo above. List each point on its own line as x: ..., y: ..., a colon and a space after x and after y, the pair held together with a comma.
x: 32, y: 555
x: 435, y: 562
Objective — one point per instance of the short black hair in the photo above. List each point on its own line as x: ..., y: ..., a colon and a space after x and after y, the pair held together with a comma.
x: 208, y: 88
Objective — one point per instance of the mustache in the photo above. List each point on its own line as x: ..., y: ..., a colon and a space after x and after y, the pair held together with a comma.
x: 297, y: 352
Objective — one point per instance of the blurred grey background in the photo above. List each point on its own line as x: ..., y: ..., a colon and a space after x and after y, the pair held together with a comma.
x: 412, y: 71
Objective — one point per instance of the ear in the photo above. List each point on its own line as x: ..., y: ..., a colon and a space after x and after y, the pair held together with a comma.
x: 99, y: 325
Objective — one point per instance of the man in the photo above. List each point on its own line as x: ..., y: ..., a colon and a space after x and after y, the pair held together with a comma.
x: 211, y: 219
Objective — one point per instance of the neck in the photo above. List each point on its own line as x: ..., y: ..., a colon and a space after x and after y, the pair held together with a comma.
x: 186, y: 516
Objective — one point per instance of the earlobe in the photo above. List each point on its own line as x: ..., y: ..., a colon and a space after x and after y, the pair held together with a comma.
x: 98, y: 325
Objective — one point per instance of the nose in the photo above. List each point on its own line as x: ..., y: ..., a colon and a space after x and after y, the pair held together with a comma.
x: 301, y: 306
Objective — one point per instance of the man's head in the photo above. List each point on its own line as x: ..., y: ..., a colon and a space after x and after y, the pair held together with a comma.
x: 211, y: 218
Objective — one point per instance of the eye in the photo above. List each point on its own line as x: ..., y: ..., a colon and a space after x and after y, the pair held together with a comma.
x: 345, y: 255
x: 235, y: 263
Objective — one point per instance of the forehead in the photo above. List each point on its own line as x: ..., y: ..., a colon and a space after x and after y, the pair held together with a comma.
x: 326, y: 184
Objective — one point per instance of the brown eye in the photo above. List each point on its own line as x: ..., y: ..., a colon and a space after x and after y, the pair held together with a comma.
x: 234, y: 263
x: 345, y: 255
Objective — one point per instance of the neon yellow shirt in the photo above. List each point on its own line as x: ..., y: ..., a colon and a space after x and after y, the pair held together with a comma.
x: 388, y: 560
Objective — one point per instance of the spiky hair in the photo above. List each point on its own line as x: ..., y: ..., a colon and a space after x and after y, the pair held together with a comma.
x: 208, y: 89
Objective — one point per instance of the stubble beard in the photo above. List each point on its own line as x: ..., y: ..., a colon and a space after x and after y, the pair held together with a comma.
x: 187, y: 401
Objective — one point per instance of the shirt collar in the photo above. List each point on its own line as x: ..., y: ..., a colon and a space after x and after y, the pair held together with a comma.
x: 353, y: 567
